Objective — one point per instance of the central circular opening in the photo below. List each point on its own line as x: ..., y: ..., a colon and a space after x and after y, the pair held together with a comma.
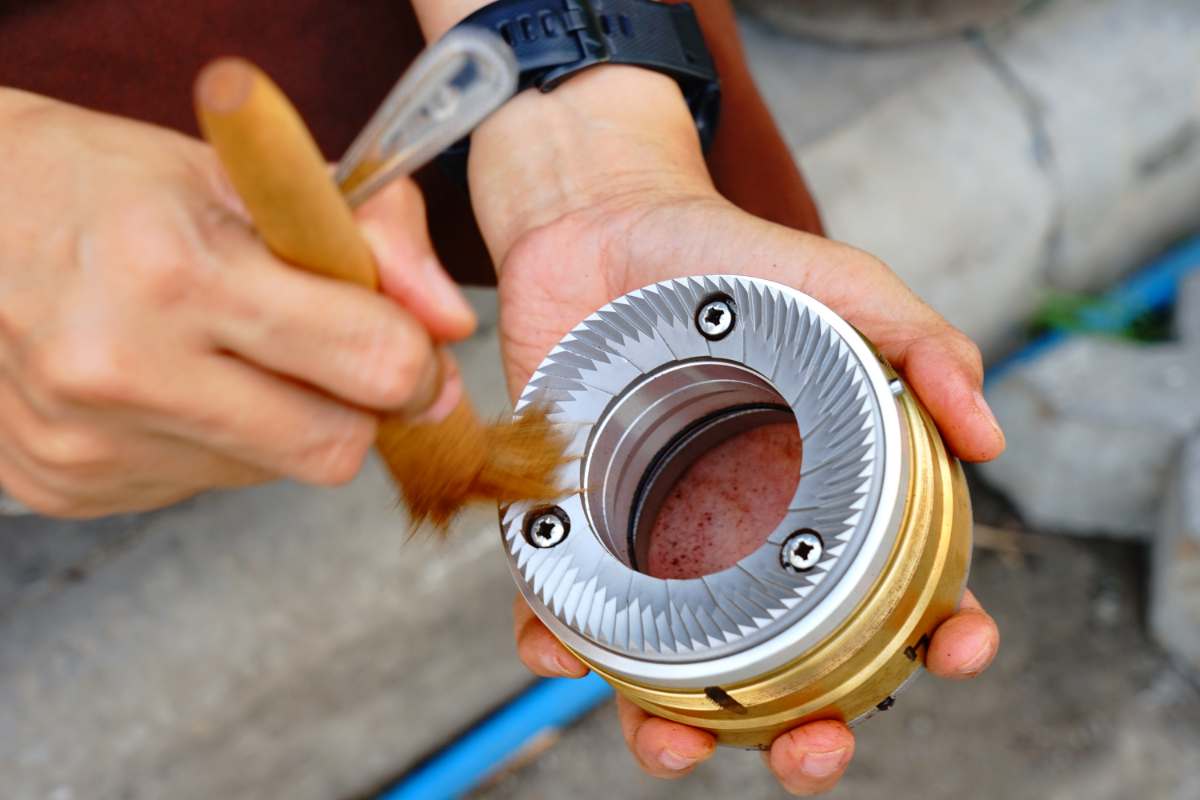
x: 692, y: 468
x: 726, y: 503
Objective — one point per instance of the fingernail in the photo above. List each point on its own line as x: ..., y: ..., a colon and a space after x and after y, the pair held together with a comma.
x: 447, y: 294
x: 981, y: 404
x: 555, y: 664
x: 674, y: 761
x: 979, y: 659
x: 822, y: 765
x: 446, y: 401
x: 566, y: 666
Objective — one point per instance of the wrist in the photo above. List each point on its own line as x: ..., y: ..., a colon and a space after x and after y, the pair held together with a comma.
x: 606, y: 136
x: 608, y: 133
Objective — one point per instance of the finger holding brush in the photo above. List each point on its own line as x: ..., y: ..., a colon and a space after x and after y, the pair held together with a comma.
x: 302, y: 221
x: 440, y: 463
x: 151, y: 346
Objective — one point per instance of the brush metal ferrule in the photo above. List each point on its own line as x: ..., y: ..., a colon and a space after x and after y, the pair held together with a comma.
x: 642, y: 388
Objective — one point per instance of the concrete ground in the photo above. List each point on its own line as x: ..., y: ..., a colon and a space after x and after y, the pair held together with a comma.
x: 281, y: 641
x: 1079, y: 704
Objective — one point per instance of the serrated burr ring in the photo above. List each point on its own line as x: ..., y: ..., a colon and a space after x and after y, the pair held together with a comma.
x: 640, y: 364
x: 639, y: 386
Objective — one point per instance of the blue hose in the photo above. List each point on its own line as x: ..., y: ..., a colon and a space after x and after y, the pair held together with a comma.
x: 552, y: 704
x: 545, y: 707
x: 1149, y: 289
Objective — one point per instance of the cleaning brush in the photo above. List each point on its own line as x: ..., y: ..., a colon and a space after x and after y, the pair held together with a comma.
x: 298, y: 210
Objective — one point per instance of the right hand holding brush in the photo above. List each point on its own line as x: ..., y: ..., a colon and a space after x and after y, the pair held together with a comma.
x: 150, y: 345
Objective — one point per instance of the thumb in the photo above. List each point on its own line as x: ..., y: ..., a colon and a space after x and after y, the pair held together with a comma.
x: 393, y: 223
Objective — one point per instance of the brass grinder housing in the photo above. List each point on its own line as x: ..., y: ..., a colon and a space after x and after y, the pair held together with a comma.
x: 833, y: 614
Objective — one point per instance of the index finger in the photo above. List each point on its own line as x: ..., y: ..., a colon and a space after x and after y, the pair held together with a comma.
x: 350, y: 342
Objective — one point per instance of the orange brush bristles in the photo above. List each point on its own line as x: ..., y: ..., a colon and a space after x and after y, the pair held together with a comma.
x: 442, y: 468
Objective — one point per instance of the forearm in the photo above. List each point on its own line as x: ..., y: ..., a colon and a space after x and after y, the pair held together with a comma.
x: 547, y: 156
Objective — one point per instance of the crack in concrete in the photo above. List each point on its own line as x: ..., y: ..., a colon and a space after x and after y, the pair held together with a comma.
x: 1176, y: 147
x: 1042, y: 149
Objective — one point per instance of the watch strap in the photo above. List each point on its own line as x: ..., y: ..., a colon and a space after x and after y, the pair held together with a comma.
x: 555, y: 39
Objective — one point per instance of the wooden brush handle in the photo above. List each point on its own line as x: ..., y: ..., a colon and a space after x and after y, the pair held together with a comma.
x: 279, y: 172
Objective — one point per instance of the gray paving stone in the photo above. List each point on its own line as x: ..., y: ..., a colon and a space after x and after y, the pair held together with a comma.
x: 1047, y: 152
x: 1093, y: 427
x: 1175, y: 570
x: 39, y: 555
x: 815, y: 89
x: 940, y: 181
x: 1110, y: 88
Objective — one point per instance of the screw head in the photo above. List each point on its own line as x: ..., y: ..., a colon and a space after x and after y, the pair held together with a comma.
x: 715, y: 319
x: 547, y: 527
x: 802, y: 551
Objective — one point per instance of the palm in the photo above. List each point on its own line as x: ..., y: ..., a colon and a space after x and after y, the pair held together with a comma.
x: 568, y: 269
x: 565, y: 271
x: 544, y: 294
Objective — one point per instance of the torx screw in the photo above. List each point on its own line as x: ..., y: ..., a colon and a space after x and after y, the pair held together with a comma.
x: 715, y: 319
x: 802, y: 551
x: 547, y: 527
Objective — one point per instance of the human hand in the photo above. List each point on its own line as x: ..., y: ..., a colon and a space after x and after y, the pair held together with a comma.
x: 657, y: 238
x: 613, y: 196
x: 151, y: 347
x: 579, y: 235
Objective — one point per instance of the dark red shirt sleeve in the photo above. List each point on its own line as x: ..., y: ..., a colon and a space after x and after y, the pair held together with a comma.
x: 335, y: 59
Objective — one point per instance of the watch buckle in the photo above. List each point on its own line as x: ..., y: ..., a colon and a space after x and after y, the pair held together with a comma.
x: 581, y: 20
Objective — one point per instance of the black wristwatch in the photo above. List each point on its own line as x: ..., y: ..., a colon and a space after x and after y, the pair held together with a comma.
x: 555, y: 39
